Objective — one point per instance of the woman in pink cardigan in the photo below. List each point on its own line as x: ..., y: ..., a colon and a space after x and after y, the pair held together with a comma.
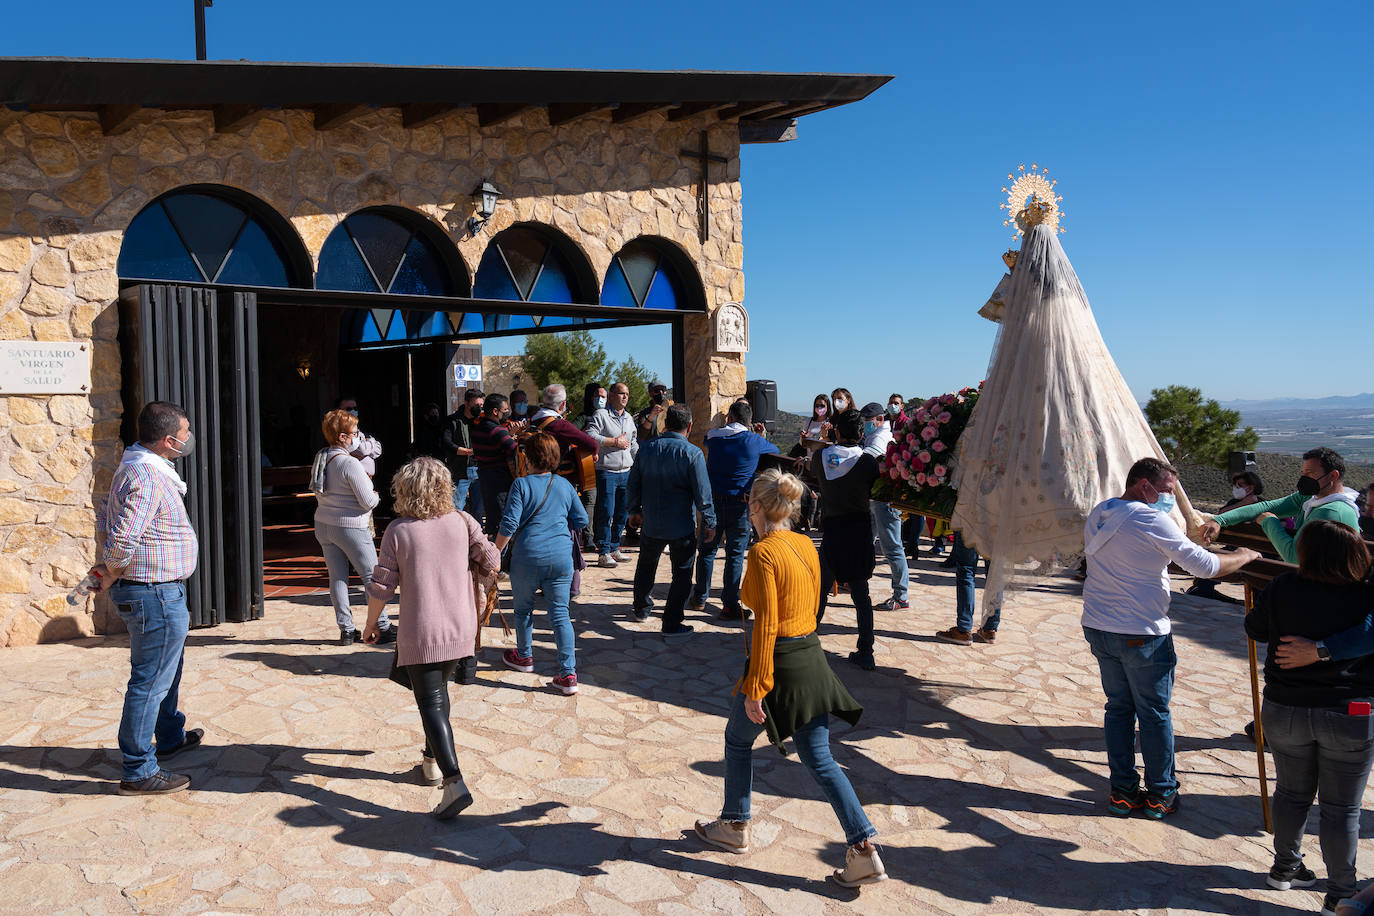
x: 421, y: 553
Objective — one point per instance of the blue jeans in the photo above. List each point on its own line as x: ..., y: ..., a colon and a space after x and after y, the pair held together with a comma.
x: 611, y: 511
x: 1138, y: 678
x: 887, y: 521
x: 965, y: 569
x: 813, y: 747
x: 1323, y: 753
x: 463, y: 491
x: 342, y: 547
x: 157, y: 618
x: 556, y: 580
x: 732, y: 527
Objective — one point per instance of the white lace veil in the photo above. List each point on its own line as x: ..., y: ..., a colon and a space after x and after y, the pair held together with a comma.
x: 1054, y: 431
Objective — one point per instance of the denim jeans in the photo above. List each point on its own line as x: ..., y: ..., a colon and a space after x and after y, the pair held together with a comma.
x: 1326, y: 753
x: 681, y: 551
x: 965, y: 597
x: 612, y: 508
x: 813, y: 747
x: 555, y: 579
x: 887, y: 521
x: 1138, y: 678
x: 342, y: 547
x: 157, y: 618
x: 463, y: 491
x: 732, y: 527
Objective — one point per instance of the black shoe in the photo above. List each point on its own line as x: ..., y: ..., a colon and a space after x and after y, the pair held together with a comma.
x: 863, y: 659
x: 1281, y: 879
x: 1122, y: 804
x: 1159, y: 805
x: 695, y: 605
x: 641, y: 614
x: 733, y: 613
x: 947, y: 562
x: 191, y: 740
x: 387, y: 636
x: 349, y: 637
x: 680, y: 631
x: 160, y: 783
x: 1250, y: 733
x: 1329, y: 904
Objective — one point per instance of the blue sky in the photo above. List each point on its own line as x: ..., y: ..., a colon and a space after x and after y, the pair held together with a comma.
x: 1213, y: 159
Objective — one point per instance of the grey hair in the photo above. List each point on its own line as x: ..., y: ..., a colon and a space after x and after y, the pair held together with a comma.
x: 554, y: 395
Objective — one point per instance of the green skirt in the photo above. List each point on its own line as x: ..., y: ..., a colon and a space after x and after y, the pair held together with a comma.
x: 803, y: 688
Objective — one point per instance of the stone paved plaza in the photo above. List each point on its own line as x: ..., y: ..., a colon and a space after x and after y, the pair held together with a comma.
x: 983, y: 769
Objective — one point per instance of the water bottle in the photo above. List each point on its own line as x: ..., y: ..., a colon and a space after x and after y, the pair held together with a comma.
x: 83, y: 588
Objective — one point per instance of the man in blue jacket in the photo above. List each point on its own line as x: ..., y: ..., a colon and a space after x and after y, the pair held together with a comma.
x: 668, y: 486
x: 732, y: 460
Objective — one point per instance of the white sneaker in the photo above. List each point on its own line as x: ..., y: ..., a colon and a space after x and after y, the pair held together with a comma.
x: 618, y: 556
x: 732, y: 836
x: 606, y: 561
x: 861, y: 866
x: 429, y: 770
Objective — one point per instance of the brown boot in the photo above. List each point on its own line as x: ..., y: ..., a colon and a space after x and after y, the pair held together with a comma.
x: 956, y: 636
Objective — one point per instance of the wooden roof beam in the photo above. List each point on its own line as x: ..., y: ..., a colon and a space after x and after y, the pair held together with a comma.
x: 115, y: 119
x: 229, y: 118
x: 328, y: 117
x: 633, y: 111
x: 563, y: 112
x: 791, y: 110
x: 419, y: 114
x: 777, y: 130
x: 692, y: 109
x: 744, y: 109
x: 491, y: 114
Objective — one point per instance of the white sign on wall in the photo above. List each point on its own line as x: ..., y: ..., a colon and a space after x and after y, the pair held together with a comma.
x: 36, y: 367
x: 464, y: 374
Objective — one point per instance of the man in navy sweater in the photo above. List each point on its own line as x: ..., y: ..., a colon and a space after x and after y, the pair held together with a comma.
x: 732, y: 460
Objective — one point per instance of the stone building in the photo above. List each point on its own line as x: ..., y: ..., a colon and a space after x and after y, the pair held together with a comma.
x: 254, y: 239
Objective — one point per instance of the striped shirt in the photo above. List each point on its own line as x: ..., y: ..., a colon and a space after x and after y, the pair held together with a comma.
x: 144, y: 530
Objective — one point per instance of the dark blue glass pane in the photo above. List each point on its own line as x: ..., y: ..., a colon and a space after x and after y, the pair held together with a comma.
x: 662, y: 294
x: 557, y: 321
x: 639, y: 262
x: 472, y: 324
x: 364, y: 328
x: 422, y: 273
x: 208, y: 226
x: 553, y: 285
x: 152, y: 250
x: 524, y: 252
x: 255, y: 261
x: 428, y: 324
x: 616, y: 291
x: 493, y: 282
x: 341, y: 267
x: 397, y: 329
x: 383, y: 240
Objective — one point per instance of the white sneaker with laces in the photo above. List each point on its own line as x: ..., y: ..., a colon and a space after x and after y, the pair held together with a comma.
x: 732, y: 836
x: 861, y: 866
x: 606, y: 561
x: 618, y: 556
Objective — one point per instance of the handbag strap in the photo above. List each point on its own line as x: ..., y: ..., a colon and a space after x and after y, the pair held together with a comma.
x: 525, y: 521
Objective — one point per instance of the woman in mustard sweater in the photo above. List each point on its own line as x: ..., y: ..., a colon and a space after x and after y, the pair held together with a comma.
x: 788, y: 687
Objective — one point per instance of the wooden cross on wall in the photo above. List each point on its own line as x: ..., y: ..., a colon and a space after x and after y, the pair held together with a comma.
x: 707, y: 157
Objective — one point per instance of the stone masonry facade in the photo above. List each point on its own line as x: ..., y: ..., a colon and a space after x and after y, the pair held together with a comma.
x: 68, y: 191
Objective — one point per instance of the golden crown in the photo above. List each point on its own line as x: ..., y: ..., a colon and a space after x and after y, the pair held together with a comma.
x: 1031, y: 200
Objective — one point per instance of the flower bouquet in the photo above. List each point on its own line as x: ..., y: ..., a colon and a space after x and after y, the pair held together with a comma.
x: 920, y: 458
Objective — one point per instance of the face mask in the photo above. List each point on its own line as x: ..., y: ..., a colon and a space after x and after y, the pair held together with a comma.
x: 186, y: 446
x: 659, y: 397
x: 841, y: 404
x: 600, y: 403
x: 1164, y: 503
x: 1238, y: 493
x: 870, y: 429
x: 520, y: 408
x: 820, y: 410
x: 1310, y: 486
x: 894, y: 409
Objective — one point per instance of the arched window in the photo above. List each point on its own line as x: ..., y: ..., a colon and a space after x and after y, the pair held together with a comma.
x: 203, y: 235
x: 390, y: 251
x: 526, y: 263
x: 642, y: 275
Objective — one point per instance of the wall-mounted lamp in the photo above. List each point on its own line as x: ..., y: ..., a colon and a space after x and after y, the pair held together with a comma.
x: 484, y: 198
x: 303, y: 367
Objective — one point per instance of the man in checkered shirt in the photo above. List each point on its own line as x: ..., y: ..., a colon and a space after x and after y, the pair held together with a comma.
x: 148, y: 551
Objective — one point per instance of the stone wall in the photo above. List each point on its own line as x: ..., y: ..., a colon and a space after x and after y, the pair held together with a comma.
x: 67, y: 192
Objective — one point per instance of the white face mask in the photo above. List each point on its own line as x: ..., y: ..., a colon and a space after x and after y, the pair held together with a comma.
x: 1239, y: 493
x: 840, y: 404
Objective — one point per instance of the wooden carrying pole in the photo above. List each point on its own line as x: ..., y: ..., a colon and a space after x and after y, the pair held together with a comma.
x: 1255, y: 705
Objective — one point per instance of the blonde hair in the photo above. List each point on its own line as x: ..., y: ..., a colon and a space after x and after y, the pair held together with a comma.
x: 778, y: 494
x: 337, y: 422
x: 422, y: 489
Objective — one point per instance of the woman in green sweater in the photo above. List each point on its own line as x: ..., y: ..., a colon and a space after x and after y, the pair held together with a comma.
x: 1321, y: 495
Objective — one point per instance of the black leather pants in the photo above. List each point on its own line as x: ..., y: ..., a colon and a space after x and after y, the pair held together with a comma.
x: 430, y: 683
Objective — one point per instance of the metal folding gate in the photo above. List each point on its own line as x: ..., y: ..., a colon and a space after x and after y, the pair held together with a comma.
x: 185, y: 345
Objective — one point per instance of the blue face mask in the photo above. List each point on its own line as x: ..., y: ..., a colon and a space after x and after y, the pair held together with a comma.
x: 520, y: 408
x: 870, y: 429
x: 600, y: 403
x: 1164, y: 503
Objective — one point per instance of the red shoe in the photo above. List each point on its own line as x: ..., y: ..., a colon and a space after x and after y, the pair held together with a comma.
x: 565, y: 684
x: 516, y: 663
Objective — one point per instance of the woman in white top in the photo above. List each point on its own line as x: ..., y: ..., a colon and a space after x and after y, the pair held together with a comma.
x: 343, y: 511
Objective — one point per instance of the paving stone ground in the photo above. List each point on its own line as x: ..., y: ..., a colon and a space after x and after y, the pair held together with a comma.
x: 983, y: 769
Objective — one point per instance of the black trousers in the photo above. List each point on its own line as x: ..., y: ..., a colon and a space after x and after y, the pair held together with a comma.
x: 430, y: 683
x: 847, y: 556
x: 681, y: 554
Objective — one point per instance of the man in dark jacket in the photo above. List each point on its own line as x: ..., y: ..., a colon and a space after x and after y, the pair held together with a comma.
x: 668, y: 486
x: 457, y: 443
x: 732, y: 460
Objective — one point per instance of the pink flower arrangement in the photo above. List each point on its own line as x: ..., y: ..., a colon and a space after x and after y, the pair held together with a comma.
x: 937, y: 447
x: 916, y: 468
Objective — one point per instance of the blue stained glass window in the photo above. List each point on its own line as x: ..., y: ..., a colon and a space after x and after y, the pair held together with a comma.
x: 422, y: 273
x: 198, y: 237
x: 256, y: 260
x: 617, y: 291
x: 662, y: 292
x: 153, y: 251
x: 640, y: 277
x: 553, y: 281
x: 493, y: 279
x: 520, y: 265
x: 429, y: 324
x: 342, y: 267
x: 472, y: 324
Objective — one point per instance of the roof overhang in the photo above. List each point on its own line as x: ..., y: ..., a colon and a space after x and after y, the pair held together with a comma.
x: 762, y: 103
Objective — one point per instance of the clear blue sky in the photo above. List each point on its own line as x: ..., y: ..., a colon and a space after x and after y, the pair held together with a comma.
x: 1214, y: 160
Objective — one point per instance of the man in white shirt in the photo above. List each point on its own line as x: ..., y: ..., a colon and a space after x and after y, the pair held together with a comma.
x: 887, y: 521
x: 615, y: 430
x: 1130, y: 541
